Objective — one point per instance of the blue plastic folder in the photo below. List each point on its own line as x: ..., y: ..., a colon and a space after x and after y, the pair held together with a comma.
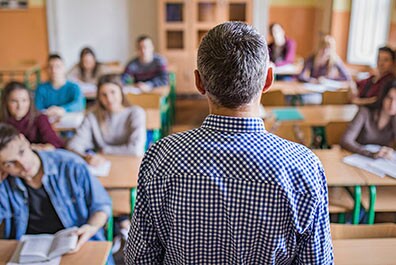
x: 287, y: 114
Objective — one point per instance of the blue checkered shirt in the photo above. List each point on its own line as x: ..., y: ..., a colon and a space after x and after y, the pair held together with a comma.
x: 229, y: 192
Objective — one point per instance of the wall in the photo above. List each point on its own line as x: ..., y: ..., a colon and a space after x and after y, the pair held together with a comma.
x: 24, y: 34
x: 392, y: 28
x: 340, y: 25
x: 100, y: 24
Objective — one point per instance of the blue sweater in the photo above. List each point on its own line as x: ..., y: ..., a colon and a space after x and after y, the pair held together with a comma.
x: 69, y: 97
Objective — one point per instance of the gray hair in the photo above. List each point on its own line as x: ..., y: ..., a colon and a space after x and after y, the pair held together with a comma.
x: 233, y: 62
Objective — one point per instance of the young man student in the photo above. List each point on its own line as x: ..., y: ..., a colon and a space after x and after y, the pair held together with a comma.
x: 229, y: 192
x: 47, y: 191
x: 369, y: 89
x: 148, y: 70
x: 58, y: 95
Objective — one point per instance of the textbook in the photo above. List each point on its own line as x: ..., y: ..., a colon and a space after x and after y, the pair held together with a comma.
x: 44, y: 248
x: 287, y: 114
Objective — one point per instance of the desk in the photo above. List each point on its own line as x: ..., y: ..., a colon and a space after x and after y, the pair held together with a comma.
x: 122, y: 182
x: 339, y: 174
x: 365, y: 251
x: 25, y: 70
x: 93, y: 252
x: 320, y: 115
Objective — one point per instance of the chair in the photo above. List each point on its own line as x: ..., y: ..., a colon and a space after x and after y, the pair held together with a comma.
x: 334, y: 131
x: 383, y: 202
x: 340, y: 202
x: 273, y: 98
x: 342, y: 231
x: 336, y: 97
x: 293, y: 132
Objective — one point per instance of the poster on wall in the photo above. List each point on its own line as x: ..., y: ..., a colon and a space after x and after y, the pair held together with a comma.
x: 14, y: 4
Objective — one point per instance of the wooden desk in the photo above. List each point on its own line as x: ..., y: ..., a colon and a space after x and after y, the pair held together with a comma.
x: 320, y: 115
x: 339, y: 174
x: 295, y: 88
x: 122, y: 182
x: 93, y: 252
x: 365, y: 251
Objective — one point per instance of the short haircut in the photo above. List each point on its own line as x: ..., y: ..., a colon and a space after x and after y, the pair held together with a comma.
x: 54, y: 56
x: 233, y: 62
x: 7, y: 134
x: 389, y: 51
x: 142, y: 38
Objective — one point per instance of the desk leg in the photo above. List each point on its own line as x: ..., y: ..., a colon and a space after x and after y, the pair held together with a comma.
x: 371, y: 209
x: 110, y: 228
x: 356, y: 208
x: 133, y: 200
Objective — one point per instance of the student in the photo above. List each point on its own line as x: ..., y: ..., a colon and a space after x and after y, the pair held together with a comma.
x: 229, y: 192
x: 58, y: 95
x: 369, y: 89
x: 88, y: 70
x: 112, y: 127
x: 374, y: 124
x: 282, y: 50
x: 148, y: 70
x: 324, y: 63
x: 47, y: 191
x: 18, y: 110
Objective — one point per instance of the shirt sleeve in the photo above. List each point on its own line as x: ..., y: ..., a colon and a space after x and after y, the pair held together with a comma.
x: 162, y: 78
x: 137, y: 139
x: 83, y: 139
x: 348, y: 140
x: 143, y: 245
x: 5, y: 208
x: 315, y: 244
x: 39, y: 98
x: 96, y: 196
x: 77, y: 102
x: 47, y: 134
x: 343, y: 74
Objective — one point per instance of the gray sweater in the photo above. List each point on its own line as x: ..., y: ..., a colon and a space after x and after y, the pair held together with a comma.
x: 124, y: 133
x: 364, y: 130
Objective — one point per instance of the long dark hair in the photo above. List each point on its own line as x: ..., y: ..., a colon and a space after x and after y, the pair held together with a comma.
x: 84, y: 52
x: 377, y: 105
x: 99, y: 109
x: 5, y: 113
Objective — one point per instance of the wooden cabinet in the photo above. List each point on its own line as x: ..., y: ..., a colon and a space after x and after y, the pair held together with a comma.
x: 183, y: 23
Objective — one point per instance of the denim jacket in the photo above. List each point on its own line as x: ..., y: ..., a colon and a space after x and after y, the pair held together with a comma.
x: 75, y: 194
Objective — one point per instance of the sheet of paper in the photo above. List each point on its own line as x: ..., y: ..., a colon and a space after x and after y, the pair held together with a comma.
x: 363, y: 162
x: 286, y: 69
x: 131, y: 90
x: 102, y: 170
x: 315, y: 87
x: 70, y: 120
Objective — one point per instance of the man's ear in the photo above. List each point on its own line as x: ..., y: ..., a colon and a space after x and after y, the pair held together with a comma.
x: 198, y: 83
x: 269, y: 80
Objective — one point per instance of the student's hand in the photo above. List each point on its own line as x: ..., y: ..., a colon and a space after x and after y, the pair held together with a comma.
x: 42, y: 147
x: 143, y: 87
x: 55, y: 112
x: 95, y: 159
x: 84, y: 233
x: 384, y: 152
x: 363, y: 101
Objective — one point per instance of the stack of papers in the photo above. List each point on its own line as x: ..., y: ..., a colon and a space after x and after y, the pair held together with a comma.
x: 71, y: 120
x: 380, y: 167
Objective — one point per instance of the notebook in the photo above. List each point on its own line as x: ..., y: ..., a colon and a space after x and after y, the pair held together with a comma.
x: 287, y: 114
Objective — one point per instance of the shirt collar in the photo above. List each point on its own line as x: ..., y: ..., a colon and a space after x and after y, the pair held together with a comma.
x: 48, y: 163
x: 233, y: 124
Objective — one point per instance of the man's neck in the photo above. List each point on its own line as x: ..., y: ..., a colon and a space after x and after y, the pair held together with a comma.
x: 36, y: 181
x: 58, y: 83
x: 146, y: 60
x: 245, y: 111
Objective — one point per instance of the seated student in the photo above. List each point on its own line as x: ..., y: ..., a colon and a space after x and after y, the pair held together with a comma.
x: 148, y: 70
x: 47, y: 191
x: 112, y: 127
x: 88, y: 70
x: 374, y: 124
x: 282, y: 50
x: 18, y: 110
x: 370, y: 88
x: 324, y: 63
x: 58, y: 95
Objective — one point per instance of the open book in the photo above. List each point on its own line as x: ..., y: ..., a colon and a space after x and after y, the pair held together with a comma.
x: 102, y: 170
x: 44, y: 247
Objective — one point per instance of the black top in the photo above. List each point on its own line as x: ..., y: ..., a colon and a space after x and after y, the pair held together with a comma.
x: 42, y: 215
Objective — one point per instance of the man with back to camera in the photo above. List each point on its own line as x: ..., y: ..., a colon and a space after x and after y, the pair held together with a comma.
x: 47, y: 191
x: 229, y: 192
x: 148, y: 70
